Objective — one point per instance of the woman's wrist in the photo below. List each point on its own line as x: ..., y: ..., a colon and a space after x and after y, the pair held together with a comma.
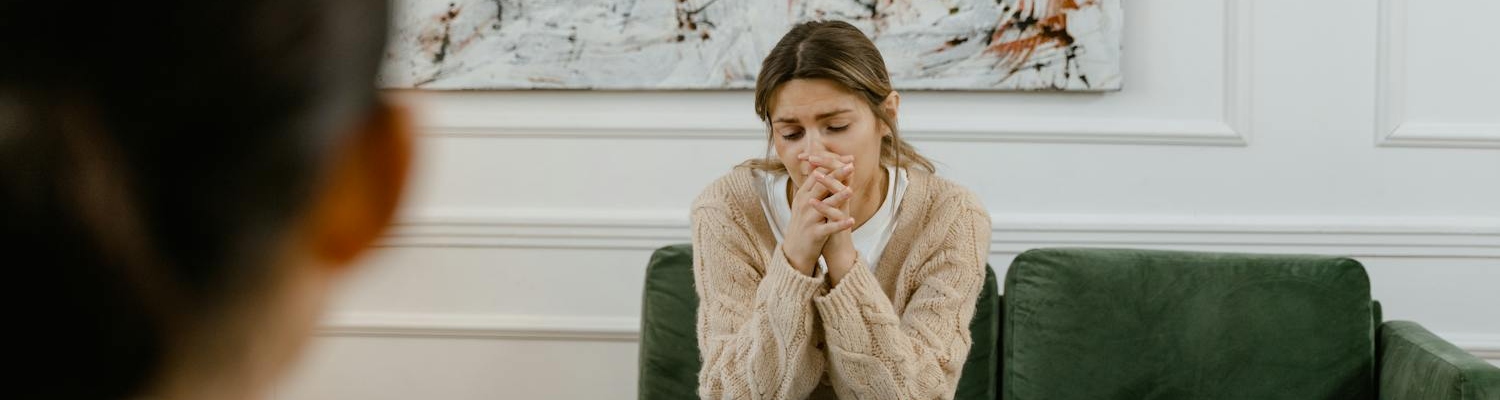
x: 798, y: 261
x: 839, y: 253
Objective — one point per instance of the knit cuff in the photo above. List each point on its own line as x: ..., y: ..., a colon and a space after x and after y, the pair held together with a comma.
x: 843, y: 301
x: 782, y: 281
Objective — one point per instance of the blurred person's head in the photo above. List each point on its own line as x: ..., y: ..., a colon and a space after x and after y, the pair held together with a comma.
x: 825, y: 88
x: 182, y: 183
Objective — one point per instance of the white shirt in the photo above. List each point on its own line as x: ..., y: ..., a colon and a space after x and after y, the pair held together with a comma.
x: 869, y: 239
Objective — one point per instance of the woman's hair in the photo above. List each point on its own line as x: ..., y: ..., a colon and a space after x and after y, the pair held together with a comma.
x: 152, y: 157
x: 839, y: 52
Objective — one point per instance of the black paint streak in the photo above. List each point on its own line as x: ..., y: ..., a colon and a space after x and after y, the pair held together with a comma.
x: 430, y: 79
x: 871, y: 7
x: 690, y: 21
x: 700, y: 9
x: 499, y: 13
x: 625, y: 21
x: 1045, y: 32
x: 1023, y: 23
x: 941, y: 65
x: 447, y: 21
x: 1072, y: 64
x: 1054, y: 33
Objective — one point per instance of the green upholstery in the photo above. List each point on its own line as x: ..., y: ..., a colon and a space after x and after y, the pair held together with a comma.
x: 669, y: 358
x: 1379, y: 314
x: 1415, y: 364
x: 1134, y: 324
x: 981, y: 372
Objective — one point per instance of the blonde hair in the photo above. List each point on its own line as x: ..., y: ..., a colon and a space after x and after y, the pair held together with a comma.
x: 839, y: 52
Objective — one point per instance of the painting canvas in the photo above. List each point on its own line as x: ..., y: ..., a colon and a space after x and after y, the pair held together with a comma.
x: 1071, y: 45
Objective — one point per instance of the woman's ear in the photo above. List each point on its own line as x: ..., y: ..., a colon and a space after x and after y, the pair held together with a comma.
x: 362, y: 188
x: 892, y: 105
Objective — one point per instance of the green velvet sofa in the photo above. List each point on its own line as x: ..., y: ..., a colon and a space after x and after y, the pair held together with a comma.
x: 1141, y: 324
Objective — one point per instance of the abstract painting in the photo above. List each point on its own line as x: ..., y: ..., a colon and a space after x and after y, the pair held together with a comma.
x: 1072, y: 45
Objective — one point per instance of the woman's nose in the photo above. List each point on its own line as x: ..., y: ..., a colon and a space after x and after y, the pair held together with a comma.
x: 815, y: 143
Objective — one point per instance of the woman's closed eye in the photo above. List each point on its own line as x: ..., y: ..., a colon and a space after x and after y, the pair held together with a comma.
x: 794, y: 134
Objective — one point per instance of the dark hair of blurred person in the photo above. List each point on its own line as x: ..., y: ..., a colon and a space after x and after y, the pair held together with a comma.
x: 181, y: 185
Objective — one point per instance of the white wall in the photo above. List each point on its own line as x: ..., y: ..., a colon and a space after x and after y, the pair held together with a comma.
x: 1348, y: 127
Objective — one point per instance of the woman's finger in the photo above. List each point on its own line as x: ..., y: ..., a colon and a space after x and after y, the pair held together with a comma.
x: 815, y: 210
x: 812, y: 188
x: 829, y: 183
x: 842, y: 174
x: 832, y: 227
x: 830, y: 213
x: 829, y: 161
x: 828, y: 155
x: 839, y: 199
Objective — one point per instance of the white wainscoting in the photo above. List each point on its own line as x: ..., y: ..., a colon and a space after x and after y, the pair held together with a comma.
x: 603, y: 329
x: 1392, y: 80
x: 1426, y: 238
x: 646, y: 230
x: 1243, y: 126
x: 426, y: 337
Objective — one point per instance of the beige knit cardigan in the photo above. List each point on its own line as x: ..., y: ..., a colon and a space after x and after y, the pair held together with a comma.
x: 767, y: 331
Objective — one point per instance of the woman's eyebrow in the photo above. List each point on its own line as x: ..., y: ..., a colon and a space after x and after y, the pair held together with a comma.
x: 818, y: 117
x: 830, y: 114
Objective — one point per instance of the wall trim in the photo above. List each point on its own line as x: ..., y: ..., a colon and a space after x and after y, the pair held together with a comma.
x: 596, y: 328
x: 1392, y: 129
x: 605, y: 229
x: 542, y: 229
x: 1480, y: 345
x: 1229, y: 129
x: 1347, y: 236
x: 469, y: 326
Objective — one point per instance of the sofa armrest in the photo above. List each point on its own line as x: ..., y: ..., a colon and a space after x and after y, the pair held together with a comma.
x: 1416, y: 364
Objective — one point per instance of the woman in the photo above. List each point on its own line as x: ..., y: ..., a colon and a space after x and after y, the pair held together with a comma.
x: 840, y: 265
x: 181, y: 185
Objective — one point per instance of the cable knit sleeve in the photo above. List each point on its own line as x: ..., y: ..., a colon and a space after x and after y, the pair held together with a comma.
x: 757, y: 330
x: 874, y: 353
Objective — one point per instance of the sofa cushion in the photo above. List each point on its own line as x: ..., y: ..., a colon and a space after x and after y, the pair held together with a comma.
x: 1138, y: 324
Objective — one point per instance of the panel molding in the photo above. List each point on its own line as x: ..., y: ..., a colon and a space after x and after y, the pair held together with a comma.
x: 1480, y: 345
x: 1232, y: 128
x: 474, y: 326
x: 1392, y: 129
x: 541, y: 229
x: 597, y: 328
x: 606, y: 229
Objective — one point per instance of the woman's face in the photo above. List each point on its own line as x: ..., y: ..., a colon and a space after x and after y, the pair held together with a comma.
x: 818, y: 116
